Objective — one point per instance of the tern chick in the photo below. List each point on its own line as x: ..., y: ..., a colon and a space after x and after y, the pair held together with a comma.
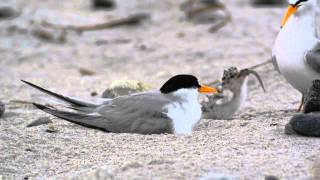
x: 224, y: 105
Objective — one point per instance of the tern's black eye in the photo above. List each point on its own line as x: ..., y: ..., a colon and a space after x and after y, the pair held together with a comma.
x: 178, y: 82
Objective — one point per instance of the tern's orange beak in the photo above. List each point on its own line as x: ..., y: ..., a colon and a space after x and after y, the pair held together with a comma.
x: 291, y: 10
x: 207, y: 89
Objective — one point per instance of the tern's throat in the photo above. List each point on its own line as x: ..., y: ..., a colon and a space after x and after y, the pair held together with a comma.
x: 302, y: 26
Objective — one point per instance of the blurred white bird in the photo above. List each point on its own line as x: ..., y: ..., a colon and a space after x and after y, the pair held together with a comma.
x: 296, y: 52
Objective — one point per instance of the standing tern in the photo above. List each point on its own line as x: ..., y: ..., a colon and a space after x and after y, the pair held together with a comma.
x: 172, y: 109
x: 296, y: 52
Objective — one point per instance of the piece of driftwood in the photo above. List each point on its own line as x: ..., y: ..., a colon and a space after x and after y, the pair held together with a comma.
x: 134, y: 19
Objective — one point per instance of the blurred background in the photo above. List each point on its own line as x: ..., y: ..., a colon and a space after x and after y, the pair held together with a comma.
x: 61, y: 43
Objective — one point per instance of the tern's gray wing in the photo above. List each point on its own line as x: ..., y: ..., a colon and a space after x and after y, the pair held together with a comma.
x: 143, y: 113
x: 275, y: 63
x: 140, y: 113
x: 73, y: 103
x: 312, y: 58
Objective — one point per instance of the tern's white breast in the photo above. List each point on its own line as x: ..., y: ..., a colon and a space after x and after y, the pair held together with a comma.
x: 291, y: 45
x: 186, y: 113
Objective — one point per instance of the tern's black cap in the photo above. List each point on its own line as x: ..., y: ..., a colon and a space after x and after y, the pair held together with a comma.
x: 178, y: 82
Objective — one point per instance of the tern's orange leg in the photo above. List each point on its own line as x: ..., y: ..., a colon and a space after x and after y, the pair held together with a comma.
x: 301, y: 104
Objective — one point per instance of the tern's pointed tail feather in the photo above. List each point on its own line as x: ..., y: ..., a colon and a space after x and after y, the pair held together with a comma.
x: 75, y: 103
x: 91, y: 121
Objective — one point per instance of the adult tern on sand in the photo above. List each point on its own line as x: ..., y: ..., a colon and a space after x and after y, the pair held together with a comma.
x: 296, y: 52
x: 172, y: 109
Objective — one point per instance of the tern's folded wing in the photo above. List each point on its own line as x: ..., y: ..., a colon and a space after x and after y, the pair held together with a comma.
x: 143, y: 113
x: 312, y: 58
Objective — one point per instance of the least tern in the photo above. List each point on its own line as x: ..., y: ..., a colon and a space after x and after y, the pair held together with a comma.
x: 296, y: 52
x: 223, y: 106
x: 172, y: 109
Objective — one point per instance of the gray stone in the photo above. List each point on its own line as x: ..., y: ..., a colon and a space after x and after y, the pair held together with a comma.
x: 305, y: 124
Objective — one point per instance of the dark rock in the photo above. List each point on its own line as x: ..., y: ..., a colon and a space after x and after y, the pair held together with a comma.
x: 103, y: 4
x: 269, y: 2
x: 305, y: 124
x: 2, y: 108
x: 288, y: 129
x: 312, y: 98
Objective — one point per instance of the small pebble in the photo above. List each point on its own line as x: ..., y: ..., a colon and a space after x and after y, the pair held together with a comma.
x: 2, y: 108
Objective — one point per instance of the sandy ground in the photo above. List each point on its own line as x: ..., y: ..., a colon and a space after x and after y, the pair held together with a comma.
x: 249, y: 146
